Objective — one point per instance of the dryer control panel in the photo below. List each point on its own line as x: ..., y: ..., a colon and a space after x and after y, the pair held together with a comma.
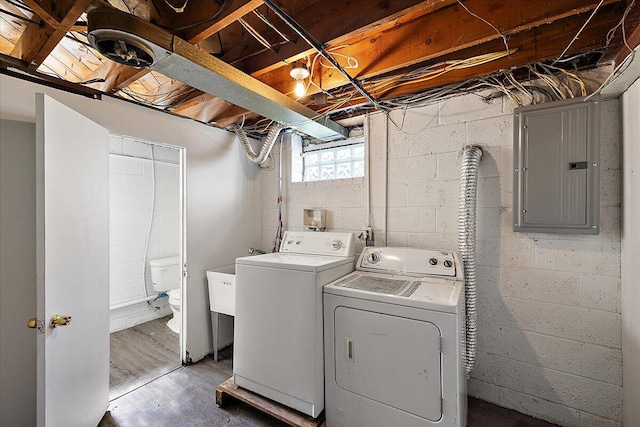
x: 318, y: 243
x: 410, y: 262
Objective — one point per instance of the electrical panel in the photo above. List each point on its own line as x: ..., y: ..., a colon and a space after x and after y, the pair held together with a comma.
x: 556, y: 176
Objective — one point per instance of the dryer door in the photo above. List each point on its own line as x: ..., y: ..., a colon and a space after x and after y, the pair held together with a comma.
x: 389, y: 359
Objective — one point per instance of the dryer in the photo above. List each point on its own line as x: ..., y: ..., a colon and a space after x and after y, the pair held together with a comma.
x: 395, y: 341
x: 278, y: 337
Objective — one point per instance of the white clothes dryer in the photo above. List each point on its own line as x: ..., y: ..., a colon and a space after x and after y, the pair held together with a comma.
x: 278, y: 334
x: 395, y: 341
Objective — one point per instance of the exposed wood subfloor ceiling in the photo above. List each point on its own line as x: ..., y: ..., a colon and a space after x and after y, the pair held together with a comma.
x: 402, y: 52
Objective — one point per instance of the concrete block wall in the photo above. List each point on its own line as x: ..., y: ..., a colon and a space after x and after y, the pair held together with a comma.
x: 131, y: 192
x: 549, y: 304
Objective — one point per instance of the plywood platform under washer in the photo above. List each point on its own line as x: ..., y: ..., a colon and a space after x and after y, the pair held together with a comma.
x: 228, y: 390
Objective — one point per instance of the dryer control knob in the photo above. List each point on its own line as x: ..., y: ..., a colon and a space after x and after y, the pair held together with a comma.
x: 433, y: 261
x: 373, y: 257
x: 336, y: 244
x: 447, y: 263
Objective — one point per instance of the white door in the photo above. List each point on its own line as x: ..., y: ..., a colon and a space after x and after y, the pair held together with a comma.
x: 72, y: 237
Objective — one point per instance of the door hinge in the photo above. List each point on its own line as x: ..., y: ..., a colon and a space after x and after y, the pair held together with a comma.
x: 184, y: 270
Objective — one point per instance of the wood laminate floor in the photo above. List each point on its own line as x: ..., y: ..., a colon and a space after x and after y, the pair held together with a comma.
x: 186, y: 398
x: 141, y: 354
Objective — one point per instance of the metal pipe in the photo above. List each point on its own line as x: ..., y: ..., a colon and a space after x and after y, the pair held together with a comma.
x: 134, y: 302
x: 321, y: 50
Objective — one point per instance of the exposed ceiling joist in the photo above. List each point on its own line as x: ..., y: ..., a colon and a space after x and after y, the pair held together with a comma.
x: 319, y: 21
x: 38, y: 41
x: 409, y: 44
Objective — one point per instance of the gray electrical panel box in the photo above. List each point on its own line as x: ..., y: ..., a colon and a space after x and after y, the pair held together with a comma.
x: 556, y: 177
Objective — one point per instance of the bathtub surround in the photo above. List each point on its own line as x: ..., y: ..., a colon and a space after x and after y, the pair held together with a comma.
x: 131, y: 191
x: 549, y: 326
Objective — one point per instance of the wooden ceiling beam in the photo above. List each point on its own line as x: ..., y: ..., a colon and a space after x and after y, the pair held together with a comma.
x: 409, y: 44
x: 383, y: 16
x: 533, y: 46
x: 357, y: 18
x: 235, y: 10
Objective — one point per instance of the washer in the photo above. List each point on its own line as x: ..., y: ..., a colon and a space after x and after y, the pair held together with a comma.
x: 278, y: 334
x: 394, y: 341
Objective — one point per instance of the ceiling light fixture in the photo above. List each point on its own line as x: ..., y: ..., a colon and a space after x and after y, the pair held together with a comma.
x: 299, y: 72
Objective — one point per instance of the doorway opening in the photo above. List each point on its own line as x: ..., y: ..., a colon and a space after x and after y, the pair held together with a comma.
x: 146, y: 262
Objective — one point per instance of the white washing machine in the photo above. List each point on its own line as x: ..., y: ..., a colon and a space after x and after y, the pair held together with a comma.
x: 278, y: 334
x: 394, y: 341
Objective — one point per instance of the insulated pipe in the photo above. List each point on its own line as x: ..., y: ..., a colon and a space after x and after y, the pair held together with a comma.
x: 267, y: 145
x: 471, y: 156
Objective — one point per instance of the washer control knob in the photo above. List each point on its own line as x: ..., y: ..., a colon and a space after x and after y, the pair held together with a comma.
x: 298, y: 242
x: 433, y: 261
x: 289, y: 242
x: 447, y: 263
x: 336, y: 244
x: 373, y: 257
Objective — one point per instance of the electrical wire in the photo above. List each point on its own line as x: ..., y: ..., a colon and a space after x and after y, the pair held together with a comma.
x: 19, y: 17
x: 256, y: 35
x: 579, y: 31
x: 504, y: 38
x: 177, y: 9
x: 273, y: 27
x: 223, y: 6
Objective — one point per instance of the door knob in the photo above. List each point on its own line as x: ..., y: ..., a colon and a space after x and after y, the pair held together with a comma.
x: 59, y: 320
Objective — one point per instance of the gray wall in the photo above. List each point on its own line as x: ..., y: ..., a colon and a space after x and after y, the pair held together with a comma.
x: 17, y: 273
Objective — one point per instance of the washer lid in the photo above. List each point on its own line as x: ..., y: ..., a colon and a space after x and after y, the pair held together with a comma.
x: 313, y: 263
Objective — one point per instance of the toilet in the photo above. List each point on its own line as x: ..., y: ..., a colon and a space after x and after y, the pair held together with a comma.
x: 166, y: 276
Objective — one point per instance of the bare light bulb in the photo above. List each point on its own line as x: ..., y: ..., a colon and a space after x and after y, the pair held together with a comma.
x: 299, y: 73
x: 300, y: 88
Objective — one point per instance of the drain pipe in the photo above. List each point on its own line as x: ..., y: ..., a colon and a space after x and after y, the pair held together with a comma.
x: 267, y: 145
x: 471, y: 156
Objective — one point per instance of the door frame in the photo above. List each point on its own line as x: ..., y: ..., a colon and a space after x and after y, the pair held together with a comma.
x: 182, y: 156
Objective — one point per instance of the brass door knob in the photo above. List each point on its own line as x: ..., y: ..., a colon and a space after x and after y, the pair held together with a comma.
x: 59, y: 320
x: 32, y: 323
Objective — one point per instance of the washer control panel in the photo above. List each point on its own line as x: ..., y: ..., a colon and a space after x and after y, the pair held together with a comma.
x: 409, y: 261
x: 318, y: 243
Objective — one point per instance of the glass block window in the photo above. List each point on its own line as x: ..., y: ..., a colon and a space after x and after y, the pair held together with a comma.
x: 339, y: 162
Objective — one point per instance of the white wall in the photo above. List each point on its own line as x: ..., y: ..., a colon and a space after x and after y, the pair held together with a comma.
x: 549, y: 305
x: 17, y: 273
x: 133, y: 183
x: 631, y: 254
x: 223, y: 188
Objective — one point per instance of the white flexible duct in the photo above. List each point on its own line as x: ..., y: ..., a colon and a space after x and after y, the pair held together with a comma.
x: 267, y: 145
x: 471, y: 156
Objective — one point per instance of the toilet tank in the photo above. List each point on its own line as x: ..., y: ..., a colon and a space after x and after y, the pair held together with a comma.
x: 166, y: 273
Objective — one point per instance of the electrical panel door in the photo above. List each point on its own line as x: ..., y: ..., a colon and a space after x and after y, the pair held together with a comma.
x: 556, y: 174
